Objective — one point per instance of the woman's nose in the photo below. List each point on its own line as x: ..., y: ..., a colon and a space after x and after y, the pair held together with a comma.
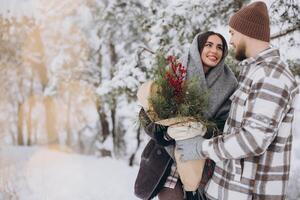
x: 213, y: 49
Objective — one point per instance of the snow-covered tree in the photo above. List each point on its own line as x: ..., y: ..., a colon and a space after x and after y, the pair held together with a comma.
x: 46, y: 49
x: 18, y: 79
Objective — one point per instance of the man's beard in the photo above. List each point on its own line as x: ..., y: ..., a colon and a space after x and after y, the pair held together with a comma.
x: 241, y: 52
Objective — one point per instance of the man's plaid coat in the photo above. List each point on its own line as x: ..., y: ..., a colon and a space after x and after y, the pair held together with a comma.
x: 253, y: 156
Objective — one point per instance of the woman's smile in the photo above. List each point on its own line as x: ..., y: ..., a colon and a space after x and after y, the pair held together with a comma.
x: 212, y: 52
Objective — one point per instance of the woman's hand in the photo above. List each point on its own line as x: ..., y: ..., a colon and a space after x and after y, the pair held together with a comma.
x: 185, y: 130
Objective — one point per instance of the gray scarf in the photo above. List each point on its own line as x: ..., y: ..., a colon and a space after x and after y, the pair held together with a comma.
x: 220, y: 82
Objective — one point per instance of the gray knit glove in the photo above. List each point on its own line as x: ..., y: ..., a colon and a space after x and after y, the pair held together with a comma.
x: 190, y: 149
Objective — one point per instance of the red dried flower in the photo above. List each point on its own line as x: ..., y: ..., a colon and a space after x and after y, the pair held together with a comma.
x: 176, y: 76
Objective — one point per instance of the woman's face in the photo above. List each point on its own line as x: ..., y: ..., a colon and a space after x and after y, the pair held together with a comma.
x: 212, y: 52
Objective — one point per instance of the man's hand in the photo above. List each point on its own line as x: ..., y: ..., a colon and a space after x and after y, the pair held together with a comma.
x: 190, y: 149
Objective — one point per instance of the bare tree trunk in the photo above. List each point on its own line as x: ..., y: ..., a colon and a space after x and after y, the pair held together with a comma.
x: 68, y: 115
x: 104, y: 124
x: 29, y: 122
x: 138, y: 138
x: 20, y: 139
x: 113, y: 120
x: 113, y: 59
x: 101, y: 112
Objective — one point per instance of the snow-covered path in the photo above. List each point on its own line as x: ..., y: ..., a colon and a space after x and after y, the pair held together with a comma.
x: 41, y: 174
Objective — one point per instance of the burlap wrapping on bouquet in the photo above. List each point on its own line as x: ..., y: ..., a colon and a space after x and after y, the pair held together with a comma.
x: 190, y: 172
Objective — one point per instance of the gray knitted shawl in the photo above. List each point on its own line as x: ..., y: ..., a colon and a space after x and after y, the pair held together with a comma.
x: 220, y: 81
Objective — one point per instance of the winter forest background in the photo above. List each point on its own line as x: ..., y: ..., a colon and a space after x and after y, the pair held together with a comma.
x: 69, y: 74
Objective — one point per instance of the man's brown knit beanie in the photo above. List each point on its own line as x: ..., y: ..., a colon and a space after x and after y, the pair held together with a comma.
x: 253, y: 21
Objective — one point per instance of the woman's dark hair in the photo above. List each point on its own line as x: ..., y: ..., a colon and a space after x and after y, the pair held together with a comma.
x: 202, y: 38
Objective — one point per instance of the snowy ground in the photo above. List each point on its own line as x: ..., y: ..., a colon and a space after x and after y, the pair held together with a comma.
x: 41, y: 174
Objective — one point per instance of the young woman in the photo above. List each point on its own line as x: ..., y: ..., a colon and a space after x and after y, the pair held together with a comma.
x: 157, y: 174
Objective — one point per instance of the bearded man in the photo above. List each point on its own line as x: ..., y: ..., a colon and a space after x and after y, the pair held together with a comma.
x: 253, y: 154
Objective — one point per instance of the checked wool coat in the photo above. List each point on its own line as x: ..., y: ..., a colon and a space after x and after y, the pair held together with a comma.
x: 253, y: 156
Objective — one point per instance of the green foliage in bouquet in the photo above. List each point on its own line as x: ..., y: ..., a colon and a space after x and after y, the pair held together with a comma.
x: 175, y: 96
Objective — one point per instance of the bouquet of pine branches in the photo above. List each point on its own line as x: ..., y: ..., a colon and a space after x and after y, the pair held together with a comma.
x: 171, y: 99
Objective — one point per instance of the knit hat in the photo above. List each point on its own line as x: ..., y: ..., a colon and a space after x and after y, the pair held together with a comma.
x: 253, y: 21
